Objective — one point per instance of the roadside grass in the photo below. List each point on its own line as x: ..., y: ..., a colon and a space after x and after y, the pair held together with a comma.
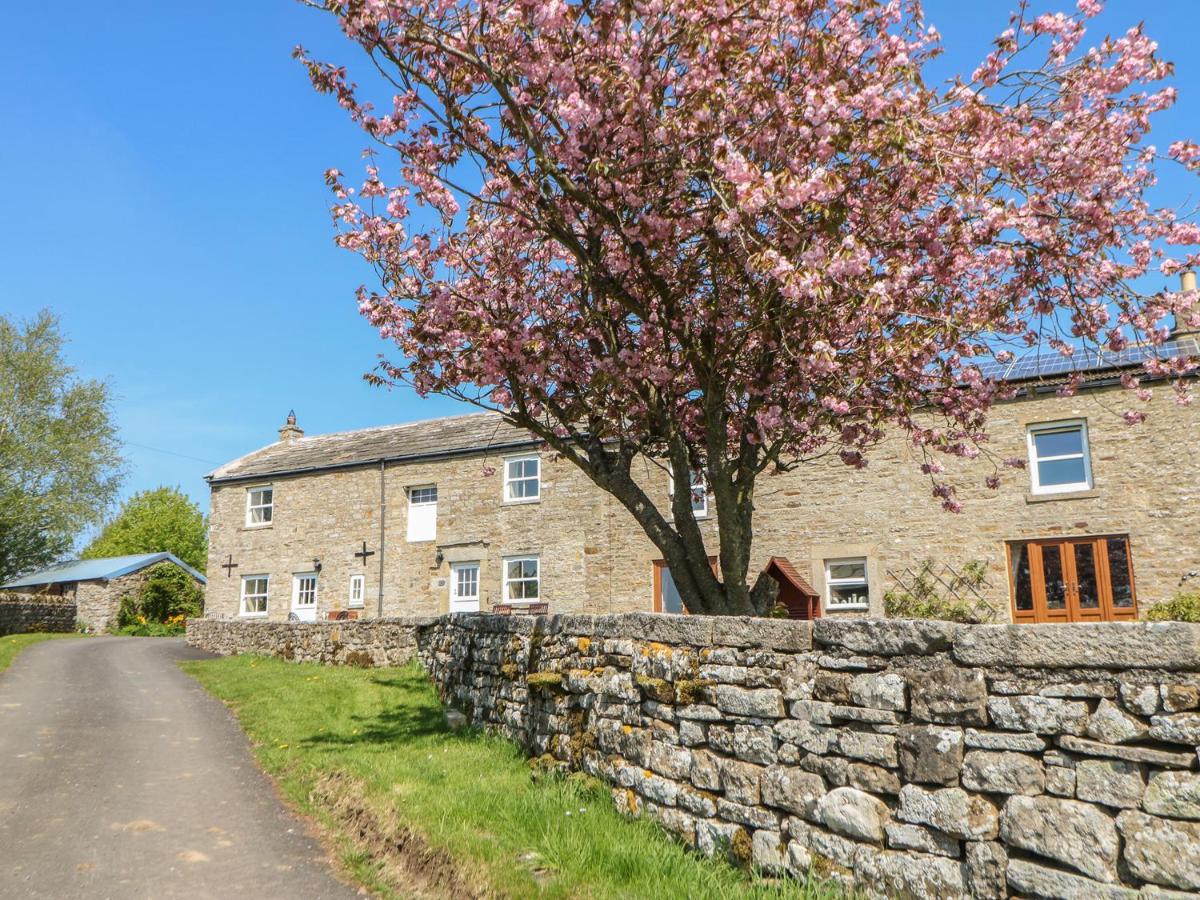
x: 12, y: 644
x: 465, y: 798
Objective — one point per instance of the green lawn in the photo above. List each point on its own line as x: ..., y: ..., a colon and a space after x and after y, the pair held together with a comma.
x: 13, y: 644
x: 366, y: 753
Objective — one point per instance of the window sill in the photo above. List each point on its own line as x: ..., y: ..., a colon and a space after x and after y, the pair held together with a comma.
x: 258, y: 527
x: 521, y: 502
x: 1086, y: 494
x: 252, y: 615
x: 847, y: 607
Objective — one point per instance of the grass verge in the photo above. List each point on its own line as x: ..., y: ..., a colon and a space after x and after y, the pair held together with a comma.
x: 414, y: 808
x: 12, y: 644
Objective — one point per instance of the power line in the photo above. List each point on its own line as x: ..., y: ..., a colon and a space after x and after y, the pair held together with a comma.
x: 207, y: 462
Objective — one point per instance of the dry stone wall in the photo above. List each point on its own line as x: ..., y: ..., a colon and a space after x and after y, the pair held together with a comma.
x: 20, y: 613
x: 911, y: 758
x: 375, y: 642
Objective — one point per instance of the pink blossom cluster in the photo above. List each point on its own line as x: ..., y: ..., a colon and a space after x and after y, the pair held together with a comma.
x: 753, y: 226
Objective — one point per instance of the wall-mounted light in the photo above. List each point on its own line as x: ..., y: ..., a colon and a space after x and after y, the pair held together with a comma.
x: 437, y: 560
x: 316, y: 564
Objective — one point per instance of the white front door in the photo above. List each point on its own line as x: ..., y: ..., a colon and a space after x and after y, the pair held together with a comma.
x: 464, y: 587
x: 304, y: 597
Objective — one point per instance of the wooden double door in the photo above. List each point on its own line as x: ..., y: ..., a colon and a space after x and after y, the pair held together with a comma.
x: 1077, y: 579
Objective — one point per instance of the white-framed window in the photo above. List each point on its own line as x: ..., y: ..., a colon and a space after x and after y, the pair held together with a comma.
x: 846, y: 584
x: 260, y: 505
x: 358, y: 591
x: 522, y: 579
x: 1059, y: 459
x: 254, y: 595
x: 699, y: 493
x: 522, y: 479
x: 422, y: 513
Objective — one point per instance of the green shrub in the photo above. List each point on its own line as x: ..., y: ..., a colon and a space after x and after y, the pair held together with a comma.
x: 170, y: 592
x: 928, y: 597
x: 167, y: 598
x: 128, y: 612
x: 1180, y: 608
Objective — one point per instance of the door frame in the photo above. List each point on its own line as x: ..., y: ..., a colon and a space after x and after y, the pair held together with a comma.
x: 455, y: 567
x: 1105, y: 611
x: 296, y: 607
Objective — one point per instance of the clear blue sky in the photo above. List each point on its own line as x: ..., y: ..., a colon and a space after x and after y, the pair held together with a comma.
x: 163, y: 195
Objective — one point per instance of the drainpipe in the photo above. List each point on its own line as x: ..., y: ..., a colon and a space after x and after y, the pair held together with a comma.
x: 382, y: 514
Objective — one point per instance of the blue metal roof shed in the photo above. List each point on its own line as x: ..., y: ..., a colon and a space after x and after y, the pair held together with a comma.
x: 99, y: 570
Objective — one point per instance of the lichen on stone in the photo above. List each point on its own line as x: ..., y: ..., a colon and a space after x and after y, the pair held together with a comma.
x: 655, y: 688
x: 692, y: 690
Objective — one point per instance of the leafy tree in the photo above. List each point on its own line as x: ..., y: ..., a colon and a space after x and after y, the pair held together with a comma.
x: 731, y: 238
x: 60, y: 465
x: 153, y: 521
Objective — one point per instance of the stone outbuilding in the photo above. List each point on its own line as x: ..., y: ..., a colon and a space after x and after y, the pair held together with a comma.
x: 96, y: 586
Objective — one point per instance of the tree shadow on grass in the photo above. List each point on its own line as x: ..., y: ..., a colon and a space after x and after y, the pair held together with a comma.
x: 413, y: 714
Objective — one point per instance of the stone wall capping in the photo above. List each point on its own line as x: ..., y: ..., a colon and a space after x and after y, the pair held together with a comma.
x: 1174, y: 646
x: 886, y: 750
x: 886, y: 637
x: 766, y: 634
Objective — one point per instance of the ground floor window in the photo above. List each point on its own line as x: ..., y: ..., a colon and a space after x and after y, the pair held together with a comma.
x: 666, y: 592
x: 1078, y: 579
x: 522, y: 580
x: 846, y: 584
x: 254, y: 595
x: 358, y: 587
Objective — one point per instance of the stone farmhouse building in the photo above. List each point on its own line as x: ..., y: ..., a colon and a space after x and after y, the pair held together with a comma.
x: 467, y: 513
x: 96, y: 586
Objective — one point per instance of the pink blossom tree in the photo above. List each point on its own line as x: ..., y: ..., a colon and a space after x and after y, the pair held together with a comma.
x: 731, y: 237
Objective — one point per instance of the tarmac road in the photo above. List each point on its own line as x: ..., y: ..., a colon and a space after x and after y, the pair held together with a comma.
x: 121, y: 778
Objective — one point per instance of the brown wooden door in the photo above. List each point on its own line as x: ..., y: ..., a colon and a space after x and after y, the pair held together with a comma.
x: 1083, y: 579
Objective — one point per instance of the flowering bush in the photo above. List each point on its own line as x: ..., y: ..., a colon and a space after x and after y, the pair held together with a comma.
x: 166, y: 600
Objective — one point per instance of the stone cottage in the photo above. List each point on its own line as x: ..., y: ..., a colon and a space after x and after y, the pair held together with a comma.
x: 96, y: 586
x: 467, y: 513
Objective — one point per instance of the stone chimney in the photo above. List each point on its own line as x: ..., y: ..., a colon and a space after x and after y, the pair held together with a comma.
x: 290, y: 430
x: 1187, y: 284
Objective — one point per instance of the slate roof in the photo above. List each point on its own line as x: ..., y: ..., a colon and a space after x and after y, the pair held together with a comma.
x: 411, y: 441
x: 105, y: 569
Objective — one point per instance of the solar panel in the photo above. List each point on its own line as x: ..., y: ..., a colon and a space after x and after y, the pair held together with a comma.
x: 1049, y: 363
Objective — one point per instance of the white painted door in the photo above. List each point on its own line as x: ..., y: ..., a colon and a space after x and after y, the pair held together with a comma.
x: 464, y: 587
x: 304, y: 596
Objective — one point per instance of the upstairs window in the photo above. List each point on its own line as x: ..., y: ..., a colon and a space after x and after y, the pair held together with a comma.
x: 260, y: 506
x: 522, y: 579
x: 254, y: 595
x: 358, y: 590
x: 1058, y: 457
x: 522, y: 479
x: 422, y: 513
x: 846, y: 584
x: 699, y: 494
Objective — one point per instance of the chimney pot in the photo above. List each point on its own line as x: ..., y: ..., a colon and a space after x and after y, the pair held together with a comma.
x: 1187, y: 280
x: 290, y: 430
